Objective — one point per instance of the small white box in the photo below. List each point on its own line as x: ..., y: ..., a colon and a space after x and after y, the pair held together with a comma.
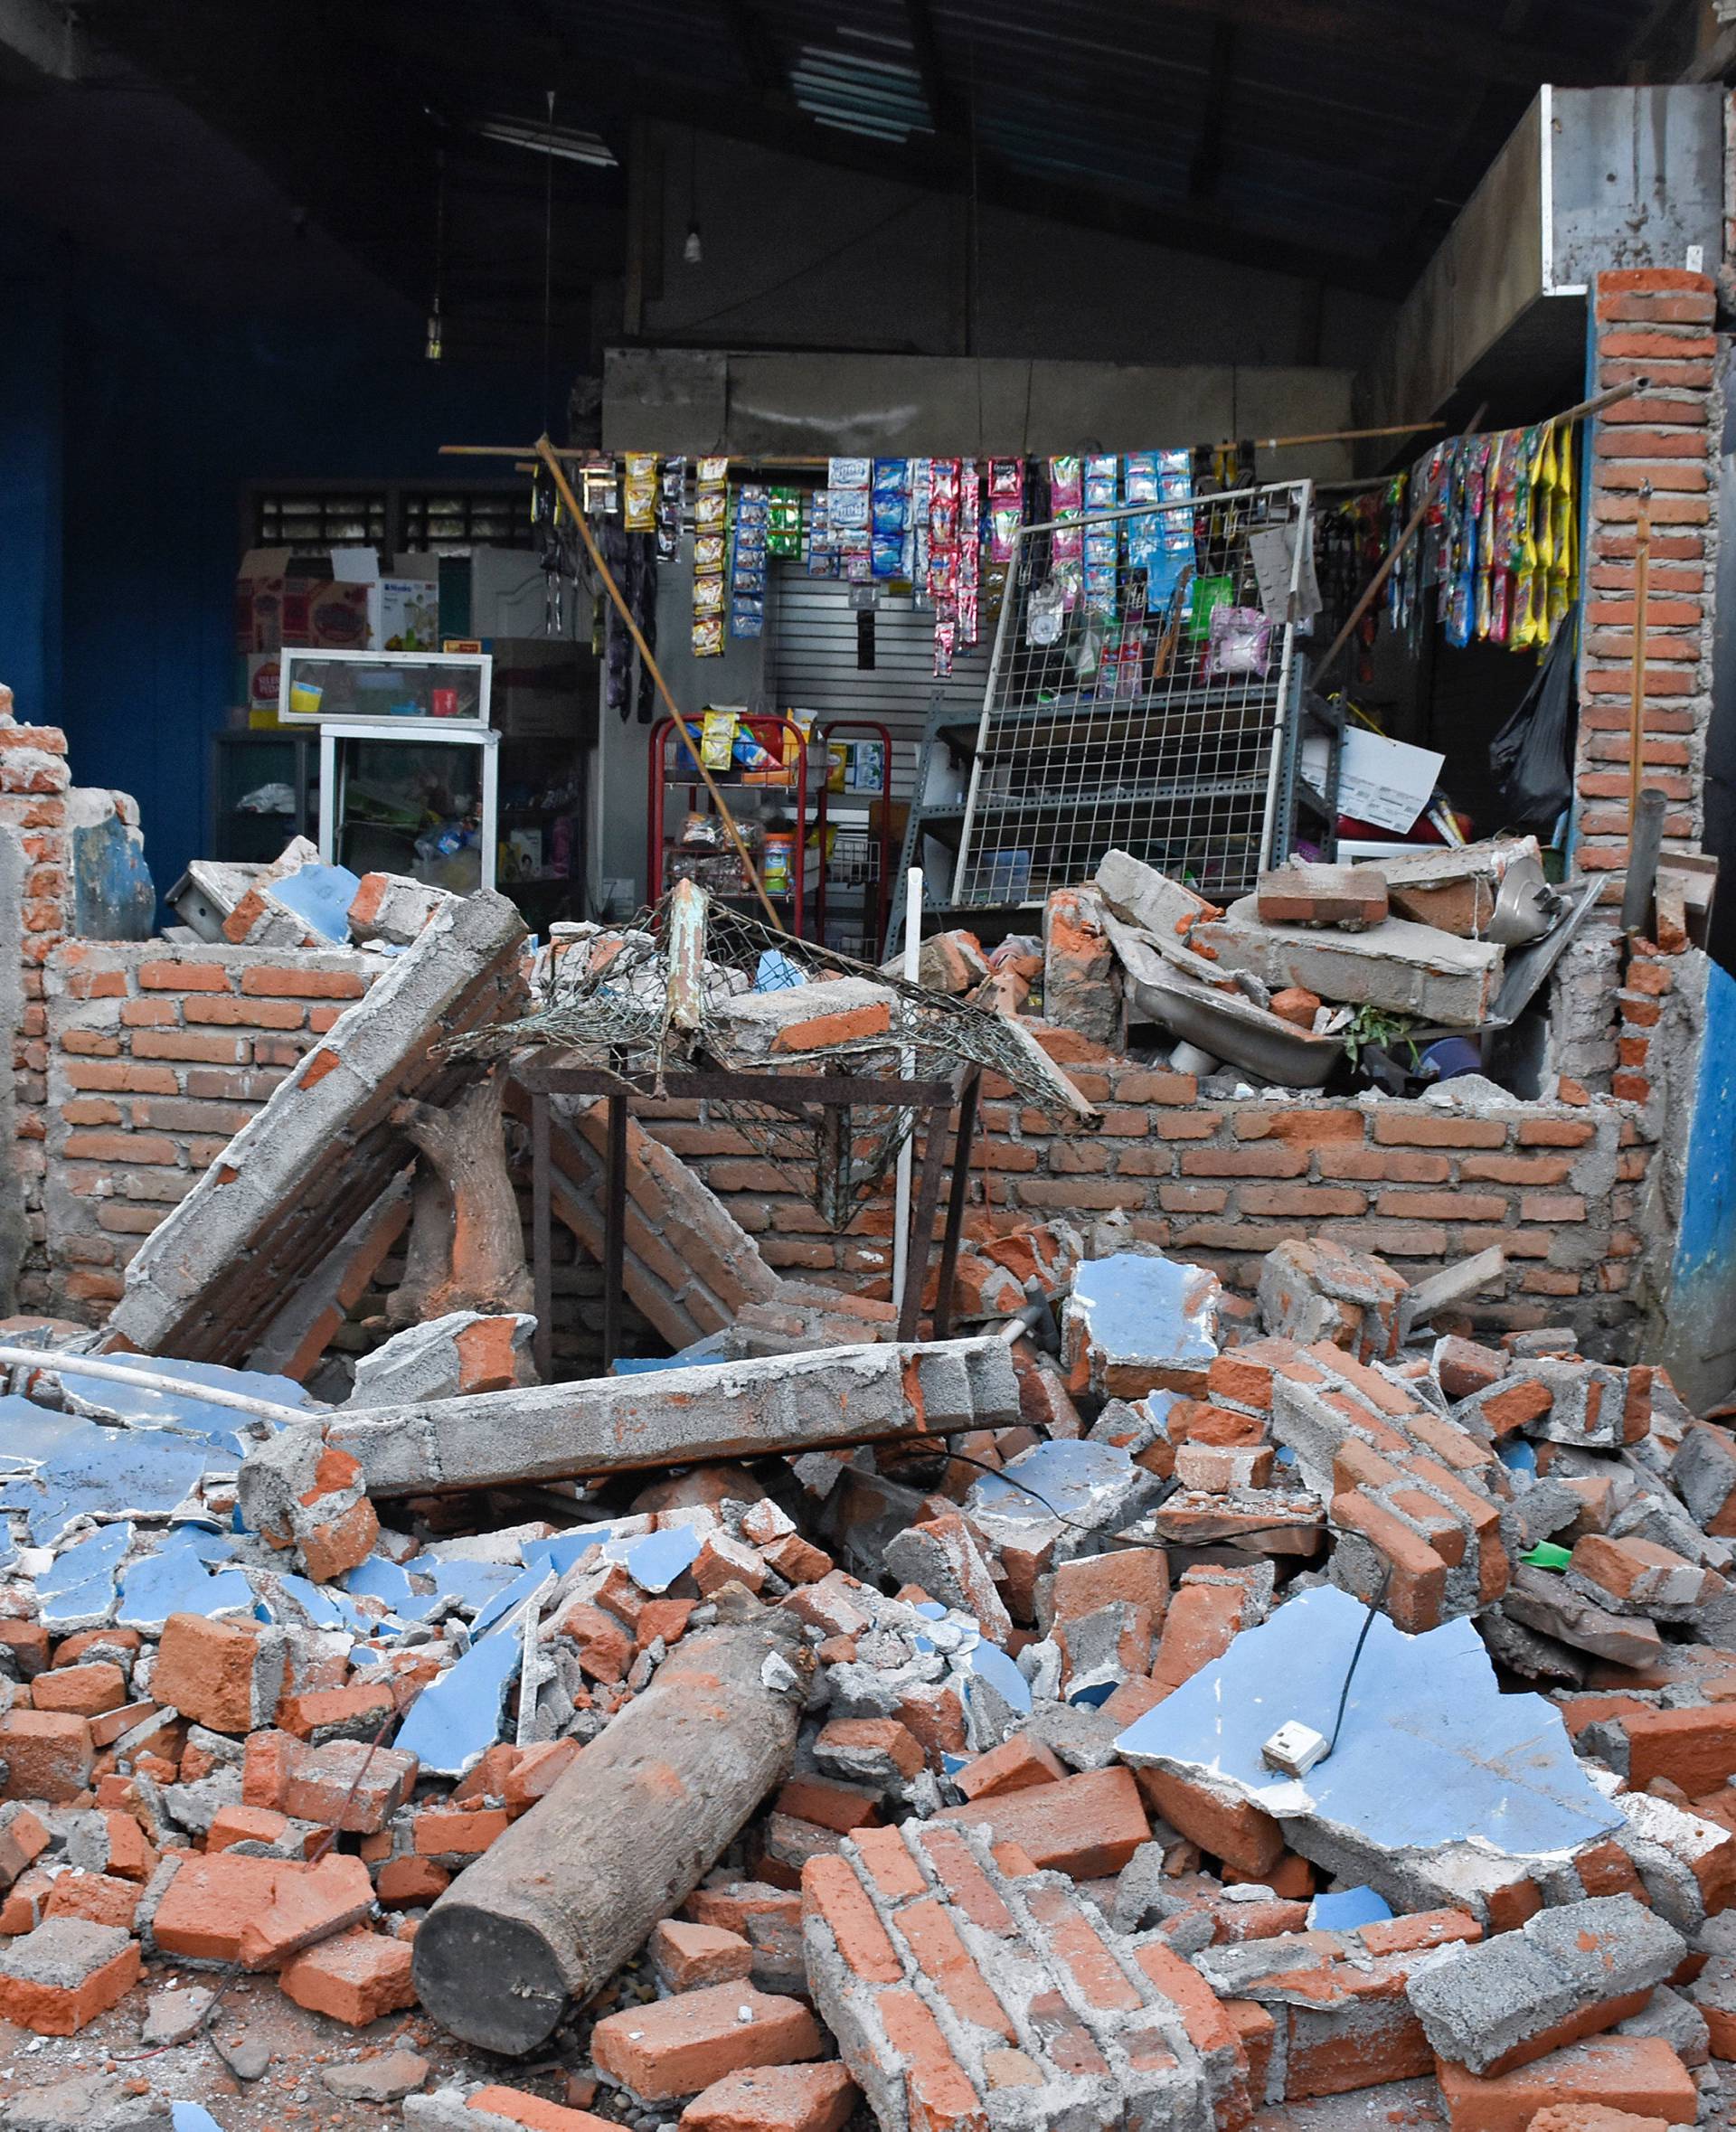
x: 1293, y: 1748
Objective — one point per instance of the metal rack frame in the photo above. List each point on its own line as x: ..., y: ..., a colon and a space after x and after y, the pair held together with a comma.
x: 763, y: 725
x: 1148, y: 746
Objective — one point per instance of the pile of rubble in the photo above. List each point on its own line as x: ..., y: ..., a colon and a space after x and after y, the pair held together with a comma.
x: 1156, y: 1707
x: 1320, y: 965
x: 976, y: 1771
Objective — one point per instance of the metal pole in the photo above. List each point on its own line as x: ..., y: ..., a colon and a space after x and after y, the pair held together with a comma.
x: 935, y: 1120
x: 614, y: 1229
x: 956, y: 1198
x: 907, y: 1068
x: 542, y: 1237
x: 51, y: 1363
x: 1644, y: 847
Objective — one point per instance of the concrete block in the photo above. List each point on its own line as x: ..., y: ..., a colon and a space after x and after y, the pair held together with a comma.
x: 725, y: 1411
x: 1406, y: 968
x: 1567, y: 1973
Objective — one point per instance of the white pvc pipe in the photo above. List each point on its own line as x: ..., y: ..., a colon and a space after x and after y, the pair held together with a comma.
x: 55, y: 1363
x: 907, y: 1066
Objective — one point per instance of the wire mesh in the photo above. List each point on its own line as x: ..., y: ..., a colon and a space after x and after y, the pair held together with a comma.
x: 605, y: 1000
x: 1137, y: 696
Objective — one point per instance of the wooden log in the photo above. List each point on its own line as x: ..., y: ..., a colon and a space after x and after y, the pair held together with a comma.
x: 466, y: 1144
x: 555, y: 1905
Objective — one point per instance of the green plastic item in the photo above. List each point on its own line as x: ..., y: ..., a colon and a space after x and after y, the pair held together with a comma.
x: 1205, y: 597
x: 1546, y: 1555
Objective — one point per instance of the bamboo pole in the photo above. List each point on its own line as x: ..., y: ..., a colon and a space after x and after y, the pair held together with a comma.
x: 590, y: 457
x: 551, y: 459
x: 58, y: 1362
x: 1637, y: 719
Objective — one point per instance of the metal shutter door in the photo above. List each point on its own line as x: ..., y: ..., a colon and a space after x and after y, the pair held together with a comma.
x: 814, y: 664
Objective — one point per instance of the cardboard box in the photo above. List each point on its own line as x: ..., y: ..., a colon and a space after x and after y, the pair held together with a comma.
x: 543, y: 691
x: 285, y: 598
x: 405, y: 614
x: 331, y: 601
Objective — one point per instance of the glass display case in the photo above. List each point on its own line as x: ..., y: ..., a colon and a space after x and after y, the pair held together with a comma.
x: 265, y: 790
x: 385, y: 688
x: 419, y: 796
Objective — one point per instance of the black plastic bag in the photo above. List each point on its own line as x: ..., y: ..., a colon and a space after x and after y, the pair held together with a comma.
x: 1531, y: 755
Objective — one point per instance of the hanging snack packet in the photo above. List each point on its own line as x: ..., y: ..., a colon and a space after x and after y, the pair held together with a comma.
x: 1240, y: 642
x: 784, y: 522
x: 671, y: 491
x: 747, y: 561
x: 943, y: 559
x: 711, y: 515
x: 921, y: 501
x: 970, y: 551
x: 639, y: 492
x: 822, y: 542
x: 890, y: 516
x: 1066, y: 490
x: 848, y: 473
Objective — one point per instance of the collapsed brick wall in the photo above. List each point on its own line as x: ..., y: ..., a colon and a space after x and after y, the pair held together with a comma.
x: 1559, y: 1186
x: 35, y: 781
x: 154, y: 1057
x: 151, y: 1057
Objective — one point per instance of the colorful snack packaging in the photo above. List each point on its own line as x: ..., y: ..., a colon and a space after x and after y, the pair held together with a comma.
x: 672, y: 493
x: 639, y: 492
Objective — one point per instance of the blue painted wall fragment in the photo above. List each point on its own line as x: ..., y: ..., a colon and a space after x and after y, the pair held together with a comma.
x: 1430, y: 1752
x: 1700, y: 1332
x: 114, y: 897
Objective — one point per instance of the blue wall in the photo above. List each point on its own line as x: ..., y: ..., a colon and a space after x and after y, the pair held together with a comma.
x: 128, y: 430
x: 1701, y: 1331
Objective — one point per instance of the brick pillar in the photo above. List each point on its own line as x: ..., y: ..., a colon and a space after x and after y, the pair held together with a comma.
x: 1654, y: 322
x: 33, y: 781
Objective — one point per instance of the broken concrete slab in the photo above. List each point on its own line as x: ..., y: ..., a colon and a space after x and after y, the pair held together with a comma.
x: 1406, y: 968
x: 462, y: 1352
x: 1439, y: 1790
x: 796, y: 1402
x: 1544, y: 1602
x: 207, y: 1281
x: 1567, y: 1973
x: 1137, y: 1323
x: 1455, y: 889
x: 1142, y: 896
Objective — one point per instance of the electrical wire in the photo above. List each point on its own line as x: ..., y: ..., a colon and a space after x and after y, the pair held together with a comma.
x: 687, y: 325
x: 1158, y: 1546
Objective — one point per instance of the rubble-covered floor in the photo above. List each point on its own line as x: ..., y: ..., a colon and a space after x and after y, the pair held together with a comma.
x: 1160, y: 1708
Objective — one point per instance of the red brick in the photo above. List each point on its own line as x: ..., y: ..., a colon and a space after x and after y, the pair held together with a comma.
x: 1640, y: 2074
x: 354, y: 1977
x: 277, y: 983
x: 63, y: 2010
x: 673, y: 2047
x: 47, y: 1755
x: 1087, y: 1826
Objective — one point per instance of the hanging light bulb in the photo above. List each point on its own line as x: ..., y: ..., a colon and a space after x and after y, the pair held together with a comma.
x: 693, y: 250
x: 434, y: 347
